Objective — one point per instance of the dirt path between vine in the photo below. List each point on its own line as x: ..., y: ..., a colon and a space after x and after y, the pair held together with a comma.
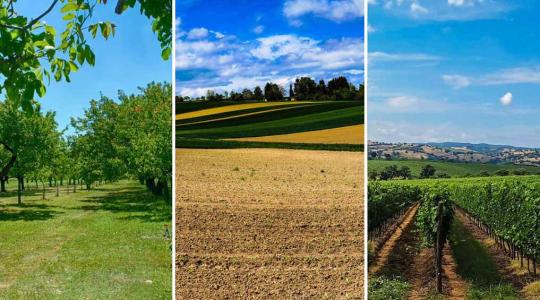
x: 454, y: 287
x: 384, y: 253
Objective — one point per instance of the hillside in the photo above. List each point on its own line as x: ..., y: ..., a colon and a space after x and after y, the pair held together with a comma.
x: 336, y: 125
x: 456, y: 152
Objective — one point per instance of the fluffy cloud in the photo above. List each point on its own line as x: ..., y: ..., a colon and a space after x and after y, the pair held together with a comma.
x: 335, y: 10
x: 506, y: 99
x: 197, y: 33
x: 229, y: 63
x: 457, y: 81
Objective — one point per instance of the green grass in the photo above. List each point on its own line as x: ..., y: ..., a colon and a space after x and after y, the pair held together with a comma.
x: 475, y: 265
x: 450, y: 168
x: 222, y: 144
x: 381, y: 288
x: 107, y: 243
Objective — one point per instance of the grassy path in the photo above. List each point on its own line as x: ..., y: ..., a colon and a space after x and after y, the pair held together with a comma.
x: 106, y: 243
x: 492, y: 272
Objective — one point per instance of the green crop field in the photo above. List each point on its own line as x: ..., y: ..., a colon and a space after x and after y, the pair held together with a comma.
x: 210, y: 130
x: 452, y: 169
x: 106, y: 243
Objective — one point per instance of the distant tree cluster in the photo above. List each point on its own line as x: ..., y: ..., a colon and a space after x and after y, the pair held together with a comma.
x: 304, y: 88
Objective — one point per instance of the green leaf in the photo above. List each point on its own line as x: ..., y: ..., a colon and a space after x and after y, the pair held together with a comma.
x: 166, y: 53
x: 68, y: 17
x: 69, y: 7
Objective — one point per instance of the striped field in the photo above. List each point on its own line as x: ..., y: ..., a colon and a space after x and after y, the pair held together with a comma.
x: 336, y: 125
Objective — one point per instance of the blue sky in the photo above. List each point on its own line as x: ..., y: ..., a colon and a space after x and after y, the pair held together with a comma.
x: 129, y: 60
x: 230, y: 45
x: 454, y: 70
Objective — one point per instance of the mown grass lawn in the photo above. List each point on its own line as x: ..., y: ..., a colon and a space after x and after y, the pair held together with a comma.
x: 107, y: 243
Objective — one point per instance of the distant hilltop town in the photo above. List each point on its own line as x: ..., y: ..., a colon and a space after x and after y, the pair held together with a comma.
x: 455, y: 152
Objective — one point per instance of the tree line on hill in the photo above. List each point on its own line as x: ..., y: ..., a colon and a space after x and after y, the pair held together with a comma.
x: 129, y: 138
x: 304, y: 88
x: 428, y: 171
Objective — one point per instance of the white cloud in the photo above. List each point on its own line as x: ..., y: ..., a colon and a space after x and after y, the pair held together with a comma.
x: 513, y: 75
x: 335, y: 10
x: 456, y: 2
x: 370, y: 29
x: 218, y: 34
x: 506, y: 99
x: 276, y: 46
x: 198, y: 33
x: 416, y: 8
x: 227, y: 63
x: 460, y: 10
x: 383, y: 56
x: 409, y: 104
x: 457, y: 81
x: 520, y: 75
x: 259, y: 29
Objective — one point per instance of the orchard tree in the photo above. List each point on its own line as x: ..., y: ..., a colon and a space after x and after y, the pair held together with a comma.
x: 96, y: 133
x: 30, y: 136
x: 144, y: 136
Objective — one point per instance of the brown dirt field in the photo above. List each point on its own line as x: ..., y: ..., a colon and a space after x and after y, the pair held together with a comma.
x: 341, y: 135
x: 269, y: 223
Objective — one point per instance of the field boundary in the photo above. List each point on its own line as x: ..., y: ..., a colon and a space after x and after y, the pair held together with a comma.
x: 198, y: 143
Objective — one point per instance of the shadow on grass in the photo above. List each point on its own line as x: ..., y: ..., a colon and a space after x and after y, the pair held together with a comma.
x: 27, y: 212
x: 27, y: 215
x: 25, y: 193
x: 475, y: 265
x: 138, y: 203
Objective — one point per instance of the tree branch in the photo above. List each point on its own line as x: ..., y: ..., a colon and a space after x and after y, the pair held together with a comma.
x: 34, y: 21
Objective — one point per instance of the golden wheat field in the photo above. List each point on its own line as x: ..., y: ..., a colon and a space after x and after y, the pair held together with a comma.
x: 269, y: 223
x: 340, y: 135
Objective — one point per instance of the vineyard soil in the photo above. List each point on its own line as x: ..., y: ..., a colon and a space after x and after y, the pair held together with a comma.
x: 269, y: 223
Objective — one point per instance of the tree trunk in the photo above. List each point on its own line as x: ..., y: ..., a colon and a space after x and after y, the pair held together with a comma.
x: 19, y: 196
x: 5, y: 170
x: 3, y: 185
x: 43, y: 190
x: 57, y: 190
